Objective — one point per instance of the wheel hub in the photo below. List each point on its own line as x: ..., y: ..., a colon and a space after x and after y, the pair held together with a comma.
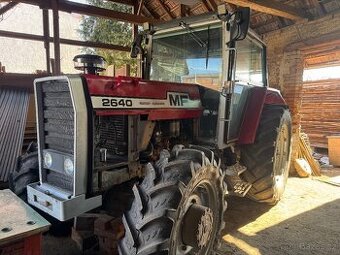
x: 197, y: 226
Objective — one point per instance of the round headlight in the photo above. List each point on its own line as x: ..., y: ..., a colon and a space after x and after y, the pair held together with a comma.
x: 68, y: 166
x: 47, y: 159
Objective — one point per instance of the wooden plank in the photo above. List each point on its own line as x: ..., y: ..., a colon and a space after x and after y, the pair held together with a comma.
x: 320, y: 114
x: 271, y: 7
x: 7, y: 7
x: 305, y: 152
x: 19, y: 219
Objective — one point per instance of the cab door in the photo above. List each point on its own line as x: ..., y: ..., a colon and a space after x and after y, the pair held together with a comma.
x: 250, y: 72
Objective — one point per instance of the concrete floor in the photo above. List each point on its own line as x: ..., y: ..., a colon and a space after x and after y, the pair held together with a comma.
x: 306, y: 221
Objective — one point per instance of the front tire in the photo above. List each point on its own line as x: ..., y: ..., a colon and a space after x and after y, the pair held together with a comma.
x: 268, y: 159
x: 27, y: 172
x: 176, y: 193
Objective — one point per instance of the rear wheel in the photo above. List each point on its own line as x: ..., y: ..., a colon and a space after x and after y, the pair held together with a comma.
x: 268, y: 159
x: 178, y: 207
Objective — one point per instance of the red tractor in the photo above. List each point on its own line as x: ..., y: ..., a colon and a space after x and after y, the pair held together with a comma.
x: 201, y: 124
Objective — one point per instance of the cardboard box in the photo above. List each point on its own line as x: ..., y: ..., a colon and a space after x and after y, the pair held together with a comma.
x: 334, y: 150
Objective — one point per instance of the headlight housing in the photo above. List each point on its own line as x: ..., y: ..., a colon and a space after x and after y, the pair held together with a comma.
x: 47, y: 159
x: 68, y: 166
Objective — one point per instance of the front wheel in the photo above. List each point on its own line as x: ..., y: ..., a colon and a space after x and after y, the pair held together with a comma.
x: 268, y: 159
x: 178, y: 207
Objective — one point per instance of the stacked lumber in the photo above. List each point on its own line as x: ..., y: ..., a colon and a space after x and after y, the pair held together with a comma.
x: 320, y: 115
x: 305, y: 152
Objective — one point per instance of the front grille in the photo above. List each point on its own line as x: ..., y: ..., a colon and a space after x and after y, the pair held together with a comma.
x: 58, y: 116
x: 57, y: 126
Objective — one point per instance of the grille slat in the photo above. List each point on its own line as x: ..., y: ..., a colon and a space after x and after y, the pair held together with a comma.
x: 58, y: 126
x: 55, y: 86
x: 60, y: 114
x: 58, y: 102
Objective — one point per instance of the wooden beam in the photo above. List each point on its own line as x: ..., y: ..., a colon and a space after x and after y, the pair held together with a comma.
x: 101, y: 12
x: 46, y: 29
x: 206, y: 5
x: 213, y: 4
x: 126, y: 2
x: 56, y: 37
x: 184, y: 10
x: 319, y: 7
x: 40, y: 38
x: 272, y: 7
x: 16, y: 80
x: 85, y: 9
x: 136, y: 11
x: 152, y: 12
x: 166, y: 9
x: 7, y: 7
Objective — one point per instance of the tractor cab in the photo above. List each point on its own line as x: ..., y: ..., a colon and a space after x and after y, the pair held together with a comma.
x: 218, y: 53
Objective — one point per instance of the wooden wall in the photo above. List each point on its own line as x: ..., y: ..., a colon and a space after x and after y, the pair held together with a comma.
x: 320, y: 110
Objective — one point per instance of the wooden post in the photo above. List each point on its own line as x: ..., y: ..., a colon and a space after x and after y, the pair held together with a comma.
x: 46, y: 28
x: 136, y: 10
x: 56, y: 38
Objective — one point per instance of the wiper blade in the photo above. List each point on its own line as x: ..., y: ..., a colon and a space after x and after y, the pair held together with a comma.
x: 192, y: 34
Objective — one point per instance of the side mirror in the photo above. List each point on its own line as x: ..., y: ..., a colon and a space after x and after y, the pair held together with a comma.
x: 137, y: 46
x: 239, y: 24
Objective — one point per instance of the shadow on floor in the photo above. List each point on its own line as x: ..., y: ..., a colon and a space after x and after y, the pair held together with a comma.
x: 313, y: 232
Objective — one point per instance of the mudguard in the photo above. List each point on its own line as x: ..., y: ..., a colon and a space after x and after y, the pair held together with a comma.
x: 259, y: 96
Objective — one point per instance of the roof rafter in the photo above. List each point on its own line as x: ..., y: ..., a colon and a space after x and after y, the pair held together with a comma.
x: 152, y: 12
x: 271, y: 7
x: 7, y: 7
x: 166, y: 9
x: 206, y: 5
x: 72, y: 7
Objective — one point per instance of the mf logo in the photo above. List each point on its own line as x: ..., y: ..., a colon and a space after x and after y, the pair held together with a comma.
x: 178, y: 99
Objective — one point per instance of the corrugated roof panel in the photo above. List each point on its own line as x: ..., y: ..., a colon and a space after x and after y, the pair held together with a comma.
x: 13, y: 111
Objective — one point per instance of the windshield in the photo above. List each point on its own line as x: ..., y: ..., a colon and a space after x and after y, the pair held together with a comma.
x: 188, y: 56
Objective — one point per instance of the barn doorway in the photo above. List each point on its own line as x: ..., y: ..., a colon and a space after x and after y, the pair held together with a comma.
x: 320, y: 109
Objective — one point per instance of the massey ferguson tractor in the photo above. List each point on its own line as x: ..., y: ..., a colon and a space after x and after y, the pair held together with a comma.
x: 200, y: 125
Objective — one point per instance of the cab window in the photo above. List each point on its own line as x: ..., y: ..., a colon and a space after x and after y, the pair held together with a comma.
x: 249, y: 62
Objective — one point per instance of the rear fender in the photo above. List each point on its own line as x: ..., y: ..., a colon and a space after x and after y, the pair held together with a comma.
x: 259, y: 96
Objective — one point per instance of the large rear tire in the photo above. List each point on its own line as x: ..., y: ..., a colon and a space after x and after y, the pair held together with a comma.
x: 268, y: 159
x: 158, y: 221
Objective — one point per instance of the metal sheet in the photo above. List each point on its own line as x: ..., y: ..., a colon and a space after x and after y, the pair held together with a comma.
x: 13, y: 111
x: 17, y: 219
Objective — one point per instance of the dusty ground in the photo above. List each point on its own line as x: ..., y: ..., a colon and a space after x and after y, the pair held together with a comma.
x: 306, y: 221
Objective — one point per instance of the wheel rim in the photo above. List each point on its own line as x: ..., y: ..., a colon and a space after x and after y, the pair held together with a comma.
x: 203, y: 195
x: 281, y: 156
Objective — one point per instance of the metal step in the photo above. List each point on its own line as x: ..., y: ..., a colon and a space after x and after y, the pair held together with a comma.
x: 235, y: 170
x: 236, y: 186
